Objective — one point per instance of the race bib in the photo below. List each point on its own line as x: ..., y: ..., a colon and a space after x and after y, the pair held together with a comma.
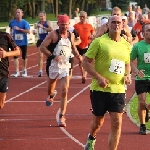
x: 18, y: 37
x: 41, y: 30
x: 117, y: 66
x: 147, y: 57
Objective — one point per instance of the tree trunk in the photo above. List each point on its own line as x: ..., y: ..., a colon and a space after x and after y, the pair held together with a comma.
x: 30, y: 8
x: 52, y: 4
x: 57, y: 8
x: 43, y: 5
x: 70, y: 8
x: 83, y: 5
x: 33, y: 10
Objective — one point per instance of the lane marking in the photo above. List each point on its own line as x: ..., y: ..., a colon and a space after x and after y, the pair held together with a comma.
x: 25, y: 92
x: 63, y: 129
x: 1, y: 139
x: 31, y: 101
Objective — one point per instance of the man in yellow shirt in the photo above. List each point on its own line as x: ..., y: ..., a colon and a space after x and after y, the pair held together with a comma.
x: 110, y: 54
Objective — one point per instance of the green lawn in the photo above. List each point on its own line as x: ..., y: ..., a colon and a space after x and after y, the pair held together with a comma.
x: 133, y: 109
x: 31, y: 21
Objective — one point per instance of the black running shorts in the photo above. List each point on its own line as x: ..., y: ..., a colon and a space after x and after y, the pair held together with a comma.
x: 24, y: 52
x: 105, y: 101
x: 142, y: 86
x: 4, y: 85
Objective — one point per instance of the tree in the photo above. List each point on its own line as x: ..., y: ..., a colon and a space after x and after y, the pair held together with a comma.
x: 70, y: 6
x: 123, y: 4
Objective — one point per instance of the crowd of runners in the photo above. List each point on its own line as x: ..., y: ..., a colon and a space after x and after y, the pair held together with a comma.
x: 112, y: 49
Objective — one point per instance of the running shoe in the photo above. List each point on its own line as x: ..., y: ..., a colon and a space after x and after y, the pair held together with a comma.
x: 83, y: 80
x: 24, y: 73
x: 16, y: 74
x: 48, y: 102
x: 142, y: 130
x: 40, y: 74
x: 89, y: 144
x: 147, y: 114
x: 61, y: 122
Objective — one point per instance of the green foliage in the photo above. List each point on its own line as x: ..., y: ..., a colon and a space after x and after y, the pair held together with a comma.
x: 134, y: 108
x: 123, y: 4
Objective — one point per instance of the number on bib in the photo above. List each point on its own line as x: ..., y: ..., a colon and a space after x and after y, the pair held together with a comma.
x: 147, y: 57
x: 18, y: 37
x: 117, y: 66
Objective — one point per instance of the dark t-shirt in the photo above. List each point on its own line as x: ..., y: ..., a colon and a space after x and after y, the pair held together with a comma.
x: 6, y: 42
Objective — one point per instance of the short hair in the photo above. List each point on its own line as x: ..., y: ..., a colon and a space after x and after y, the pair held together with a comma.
x: 143, y: 27
x: 83, y: 12
x: 115, y: 9
x: 42, y: 12
x: 19, y: 9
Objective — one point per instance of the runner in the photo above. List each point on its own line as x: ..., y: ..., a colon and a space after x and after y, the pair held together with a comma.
x: 43, y: 27
x: 60, y: 49
x: 6, y: 43
x: 110, y: 54
x: 86, y: 32
x: 104, y: 28
x: 141, y: 53
x: 19, y: 29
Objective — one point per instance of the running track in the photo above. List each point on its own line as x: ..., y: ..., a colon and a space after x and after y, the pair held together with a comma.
x: 27, y: 124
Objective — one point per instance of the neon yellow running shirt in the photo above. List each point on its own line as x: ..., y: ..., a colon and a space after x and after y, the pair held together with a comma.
x: 110, y: 58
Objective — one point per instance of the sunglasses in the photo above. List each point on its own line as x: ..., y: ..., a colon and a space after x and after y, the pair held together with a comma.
x: 116, y: 22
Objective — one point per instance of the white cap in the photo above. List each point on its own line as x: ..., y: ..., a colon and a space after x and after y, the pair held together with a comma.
x: 124, y: 17
x: 103, y: 21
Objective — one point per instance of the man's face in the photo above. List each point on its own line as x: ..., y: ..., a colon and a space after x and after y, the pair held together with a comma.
x: 131, y: 15
x: 115, y: 24
x: 42, y: 16
x: 142, y: 20
x: 19, y: 13
x: 146, y: 32
x: 63, y: 26
x: 129, y: 8
x: 83, y: 17
x: 117, y: 13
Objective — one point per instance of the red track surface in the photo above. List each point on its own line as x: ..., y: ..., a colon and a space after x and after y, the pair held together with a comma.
x: 27, y: 124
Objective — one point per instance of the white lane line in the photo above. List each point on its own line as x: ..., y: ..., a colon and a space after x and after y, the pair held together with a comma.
x: 1, y: 139
x: 63, y: 129
x: 31, y: 101
x: 25, y: 92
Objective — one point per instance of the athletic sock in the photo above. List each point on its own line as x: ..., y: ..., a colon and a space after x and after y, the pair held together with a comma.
x: 91, y: 137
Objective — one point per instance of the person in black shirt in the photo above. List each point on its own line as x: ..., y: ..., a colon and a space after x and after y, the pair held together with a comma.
x: 7, y: 48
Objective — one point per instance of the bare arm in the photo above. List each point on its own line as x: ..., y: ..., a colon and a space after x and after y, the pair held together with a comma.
x: 127, y: 68
x: 128, y: 34
x: 101, y: 30
x: 45, y: 43
x: 135, y: 40
x: 49, y: 29
x: 4, y: 53
x: 77, y: 41
x: 139, y: 73
x: 74, y: 49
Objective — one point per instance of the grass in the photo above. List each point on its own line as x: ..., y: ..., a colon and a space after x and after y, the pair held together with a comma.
x: 134, y: 107
x: 50, y: 17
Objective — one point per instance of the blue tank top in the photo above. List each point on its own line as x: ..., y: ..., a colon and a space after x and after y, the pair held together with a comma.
x: 42, y: 32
